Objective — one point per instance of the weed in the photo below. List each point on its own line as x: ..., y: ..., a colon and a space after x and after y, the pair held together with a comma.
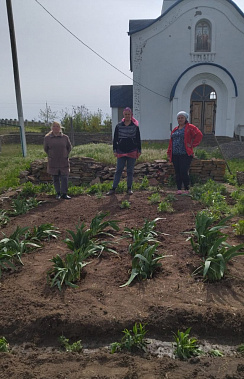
x: 185, y: 346
x: 28, y: 189
x: 144, y: 183
x: 154, y: 198
x: 170, y: 197
x: 239, y: 228
x: 171, y: 181
x: 75, y: 347
x: 125, y: 204
x: 216, y: 353
x: 201, y: 154
x: 132, y: 340
x: 4, y: 346
x: 241, y: 348
x: 212, y: 195
x: 165, y: 206
x: 239, y: 207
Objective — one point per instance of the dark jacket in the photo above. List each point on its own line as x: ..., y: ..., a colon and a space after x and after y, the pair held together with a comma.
x: 126, y: 138
x: 57, y: 149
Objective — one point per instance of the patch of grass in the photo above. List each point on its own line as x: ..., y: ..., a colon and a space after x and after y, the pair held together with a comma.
x: 12, y: 162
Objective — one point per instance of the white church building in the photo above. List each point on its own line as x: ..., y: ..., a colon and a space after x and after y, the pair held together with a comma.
x: 190, y: 58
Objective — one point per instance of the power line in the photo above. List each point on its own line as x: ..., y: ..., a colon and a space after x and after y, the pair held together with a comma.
x: 105, y: 60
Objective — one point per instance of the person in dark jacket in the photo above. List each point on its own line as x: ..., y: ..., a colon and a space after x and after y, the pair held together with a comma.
x: 127, y: 148
x: 183, y: 139
x: 57, y: 146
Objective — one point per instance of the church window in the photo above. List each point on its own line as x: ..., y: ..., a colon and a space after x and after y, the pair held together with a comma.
x: 203, y: 37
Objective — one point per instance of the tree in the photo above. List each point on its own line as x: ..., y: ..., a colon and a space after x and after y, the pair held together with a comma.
x: 47, y: 115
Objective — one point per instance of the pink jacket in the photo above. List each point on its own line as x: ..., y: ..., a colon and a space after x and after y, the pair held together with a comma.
x: 192, y: 138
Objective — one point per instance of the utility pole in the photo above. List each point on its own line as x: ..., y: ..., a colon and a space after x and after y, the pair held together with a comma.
x: 16, y: 76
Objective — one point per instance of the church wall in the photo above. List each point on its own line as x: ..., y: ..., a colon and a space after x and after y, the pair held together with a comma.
x: 162, y: 52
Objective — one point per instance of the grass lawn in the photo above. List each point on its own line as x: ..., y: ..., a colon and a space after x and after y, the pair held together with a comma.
x: 12, y: 161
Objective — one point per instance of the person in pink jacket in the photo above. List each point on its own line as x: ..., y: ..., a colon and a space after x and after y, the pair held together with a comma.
x: 183, y: 139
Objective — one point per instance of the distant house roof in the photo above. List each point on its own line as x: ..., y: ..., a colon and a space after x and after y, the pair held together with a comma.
x: 121, y: 96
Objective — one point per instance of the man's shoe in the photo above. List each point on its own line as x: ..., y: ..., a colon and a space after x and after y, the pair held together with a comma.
x: 66, y: 197
x: 110, y: 192
x: 58, y: 196
x: 130, y: 192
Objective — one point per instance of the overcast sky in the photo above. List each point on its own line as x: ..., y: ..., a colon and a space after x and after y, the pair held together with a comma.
x: 54, y: 66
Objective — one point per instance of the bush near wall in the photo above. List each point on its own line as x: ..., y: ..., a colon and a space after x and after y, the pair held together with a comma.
x: 85, y: 170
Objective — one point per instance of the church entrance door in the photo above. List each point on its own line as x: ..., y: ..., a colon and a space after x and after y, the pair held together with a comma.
x: 203, y: 108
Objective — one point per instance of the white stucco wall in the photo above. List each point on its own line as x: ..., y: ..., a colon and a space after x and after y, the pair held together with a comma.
x: 163, y: 51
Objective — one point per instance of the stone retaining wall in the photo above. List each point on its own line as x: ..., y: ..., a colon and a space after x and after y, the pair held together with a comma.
x: 85, y: 170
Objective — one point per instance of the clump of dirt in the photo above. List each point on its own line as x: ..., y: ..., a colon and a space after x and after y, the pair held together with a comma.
x: 33, y: 316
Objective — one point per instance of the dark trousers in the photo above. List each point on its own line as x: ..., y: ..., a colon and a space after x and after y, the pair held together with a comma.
x: 130, y: 163
x: 182, y: 165
x: 60, y: 183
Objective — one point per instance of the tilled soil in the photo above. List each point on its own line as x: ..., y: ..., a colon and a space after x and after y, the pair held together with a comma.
x: 33, y: 316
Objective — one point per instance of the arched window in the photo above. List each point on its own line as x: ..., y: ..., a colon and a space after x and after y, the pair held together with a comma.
x: 203, y: 36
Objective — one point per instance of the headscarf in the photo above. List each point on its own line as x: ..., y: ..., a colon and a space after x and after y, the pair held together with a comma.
x: 183, y: 113
x: 132, y: 118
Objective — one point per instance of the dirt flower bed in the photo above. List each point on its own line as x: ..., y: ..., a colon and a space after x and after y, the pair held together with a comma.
x: 33, y: 316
